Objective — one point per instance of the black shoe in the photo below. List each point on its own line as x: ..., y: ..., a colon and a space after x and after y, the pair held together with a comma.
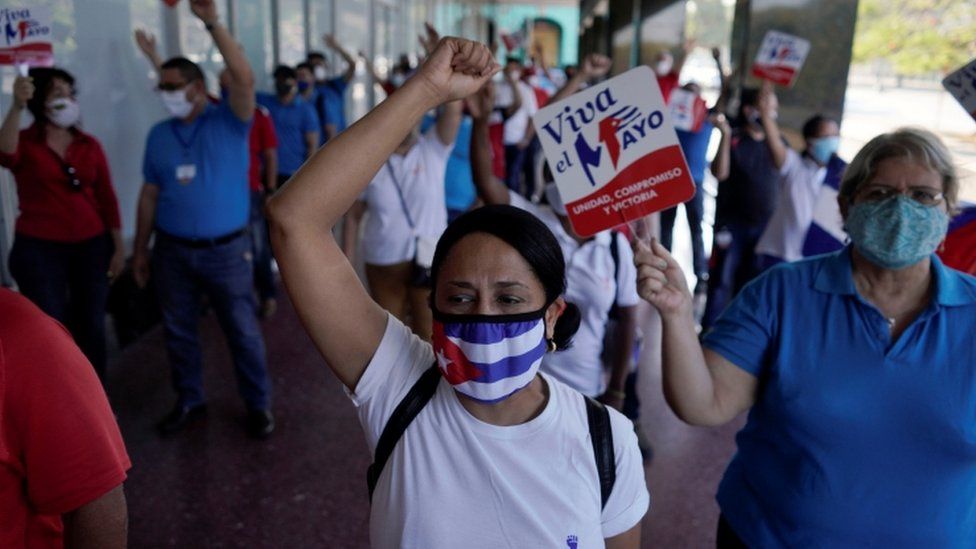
x: 180, y: 417
x: 260, y: 423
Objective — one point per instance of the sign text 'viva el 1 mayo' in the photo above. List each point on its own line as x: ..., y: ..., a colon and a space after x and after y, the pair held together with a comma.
x: 613, y: 152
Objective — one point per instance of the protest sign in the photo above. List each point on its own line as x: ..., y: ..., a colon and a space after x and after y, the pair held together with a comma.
x: 688, y: 110
x: 26, y: 36
x: 962, y: 85
x: 780, y: 58
x: 613, y: 152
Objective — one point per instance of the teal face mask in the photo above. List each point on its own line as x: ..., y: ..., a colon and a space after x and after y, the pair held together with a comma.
x: 896, y: 232
x: 822, y: 148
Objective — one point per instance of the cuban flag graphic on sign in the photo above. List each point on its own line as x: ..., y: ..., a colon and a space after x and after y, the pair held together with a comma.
x: 489, y: 361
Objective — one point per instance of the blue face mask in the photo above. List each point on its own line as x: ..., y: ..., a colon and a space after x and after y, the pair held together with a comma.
x: 897, y: 232
x: 489, y: 358
x: 822, y: 148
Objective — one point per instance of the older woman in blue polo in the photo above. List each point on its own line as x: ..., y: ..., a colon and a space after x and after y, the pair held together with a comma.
x: 857, y: 368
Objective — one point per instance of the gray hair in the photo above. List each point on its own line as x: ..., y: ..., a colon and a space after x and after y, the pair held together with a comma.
x: 918, y: 145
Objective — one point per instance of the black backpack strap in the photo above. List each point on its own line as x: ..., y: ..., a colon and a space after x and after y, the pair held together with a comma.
x: 602, y: 436
x: 405, y: 412
x: 615, y: 254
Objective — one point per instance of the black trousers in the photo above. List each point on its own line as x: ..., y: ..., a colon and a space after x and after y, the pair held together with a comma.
x: 69, y: 282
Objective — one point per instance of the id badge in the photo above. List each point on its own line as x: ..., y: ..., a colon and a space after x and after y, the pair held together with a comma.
x: 185, y: 173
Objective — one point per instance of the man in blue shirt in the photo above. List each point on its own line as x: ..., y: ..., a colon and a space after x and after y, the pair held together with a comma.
x: 332, y: 91
x: 295, y: 122
x: 195, y: 198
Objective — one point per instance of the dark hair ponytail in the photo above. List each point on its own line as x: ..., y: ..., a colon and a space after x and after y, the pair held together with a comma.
x: 566, y: 327
x: 532, y: 240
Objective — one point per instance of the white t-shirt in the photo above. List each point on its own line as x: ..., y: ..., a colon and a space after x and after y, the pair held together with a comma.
x: 516, y: 125
x: 453, y: 481
x: 801, y: 181
x: 590, y: 285
x: 387, y: 237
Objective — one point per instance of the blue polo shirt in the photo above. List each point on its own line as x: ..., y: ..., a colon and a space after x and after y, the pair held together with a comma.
x: 695, y: 147
x: 459, y: 191
x: 291, y: 122
x: 854, y: 440
x: 334, y: 98
x: 201, y: 171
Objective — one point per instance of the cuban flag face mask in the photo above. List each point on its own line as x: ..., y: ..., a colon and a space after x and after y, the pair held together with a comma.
x: 489, y: 357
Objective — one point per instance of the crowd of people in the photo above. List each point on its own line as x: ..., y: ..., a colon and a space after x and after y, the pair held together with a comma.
x: 481, y: 324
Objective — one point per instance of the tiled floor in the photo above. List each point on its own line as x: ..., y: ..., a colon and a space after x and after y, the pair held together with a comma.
x: 211, y: 486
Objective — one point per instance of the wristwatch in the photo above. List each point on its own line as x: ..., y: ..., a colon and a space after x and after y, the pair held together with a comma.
x: 209, y: 26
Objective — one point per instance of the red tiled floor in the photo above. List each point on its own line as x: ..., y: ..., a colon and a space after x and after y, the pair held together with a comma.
x: 211, y: 486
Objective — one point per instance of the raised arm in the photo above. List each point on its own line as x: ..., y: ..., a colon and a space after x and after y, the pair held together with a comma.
x: 146, y: 42
x: 594, y: 66
x: 371, y: 68
x: 700, y: 386
x: 767, y: 111
x: 723, y: 158
x: 490, y: 189
x: 241, y: 85
x: 725, y: 85
x: 509, y: 110
x: 334, y: 45
x: 448, y: 121
x: 10, y: 130
x: 318, y: 277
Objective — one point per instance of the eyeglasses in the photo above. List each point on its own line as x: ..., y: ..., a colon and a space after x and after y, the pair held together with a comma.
x: 925, y: 196
x: 170, y: 87
x: 73, y: 180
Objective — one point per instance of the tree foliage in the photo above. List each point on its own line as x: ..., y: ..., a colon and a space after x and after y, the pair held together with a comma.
x: 916, y: 36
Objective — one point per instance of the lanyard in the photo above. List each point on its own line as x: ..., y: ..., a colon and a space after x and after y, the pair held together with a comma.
x: 187, y: 144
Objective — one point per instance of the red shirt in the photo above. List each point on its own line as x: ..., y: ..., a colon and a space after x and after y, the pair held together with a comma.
x: 262, y: 138
x: 60, y: 447
x: 49, y: 208
x: 668, y: 83
x: 960, y: 249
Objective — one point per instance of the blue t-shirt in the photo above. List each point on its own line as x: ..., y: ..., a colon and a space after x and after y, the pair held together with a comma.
x: 695, y: 147
x: 333, y: 94
x: 201, y: 171
x: 291, y: 122
x: 459, y: 191
x: 854, y: 440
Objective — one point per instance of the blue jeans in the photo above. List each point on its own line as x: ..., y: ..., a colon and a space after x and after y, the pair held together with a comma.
x: 734, y: 263
x: 514, y: 160
x: 261, y: 249
x: 224, y: 273
x: 694, y: 211
x: 69, y: 282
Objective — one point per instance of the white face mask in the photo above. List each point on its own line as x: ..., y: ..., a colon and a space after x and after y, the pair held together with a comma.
x: 320, y: 73
x: 63, y: 112
x: 664, y: 66
x: 176, y: 103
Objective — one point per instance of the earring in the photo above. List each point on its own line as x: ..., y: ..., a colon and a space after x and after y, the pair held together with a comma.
x: 551, y: 344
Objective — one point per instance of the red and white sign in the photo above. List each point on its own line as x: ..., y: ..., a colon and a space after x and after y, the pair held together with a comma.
x: 26, y: 36
x: 688, y: 110
x: 613, y: 152
x: 780, y: 58
x: 962, y: 85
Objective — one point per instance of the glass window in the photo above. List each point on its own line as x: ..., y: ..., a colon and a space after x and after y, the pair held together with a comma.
x: 254, y: 33
x: 291, y: 32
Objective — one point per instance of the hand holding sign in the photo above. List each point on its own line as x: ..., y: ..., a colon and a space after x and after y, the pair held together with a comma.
x: 768, y: 102
x: 660, y: 280
x: 596, y: 66
x: 23, y: 91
